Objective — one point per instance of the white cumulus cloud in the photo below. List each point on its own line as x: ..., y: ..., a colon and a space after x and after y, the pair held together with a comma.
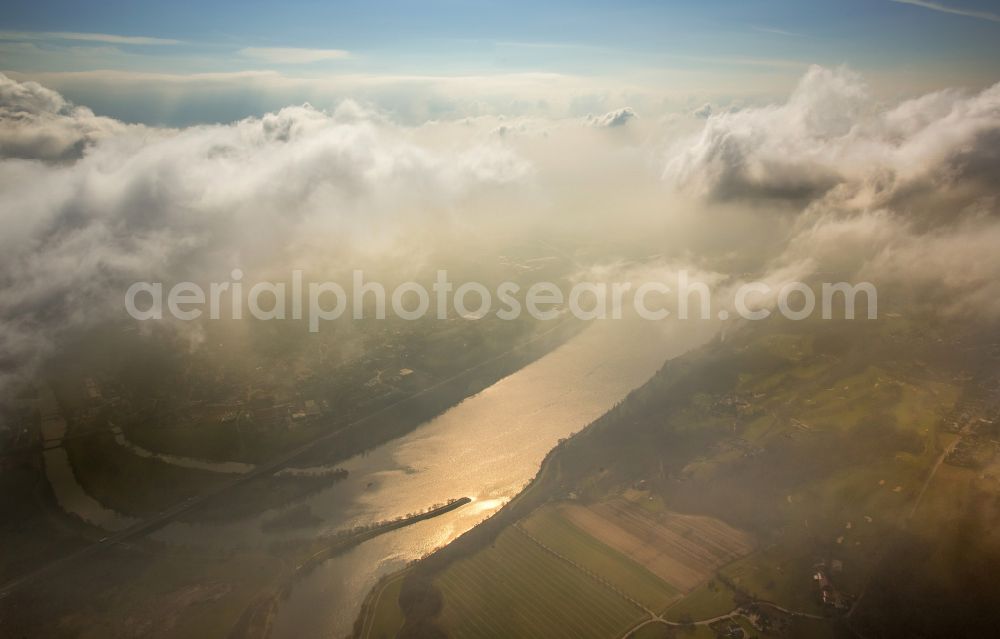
x: 91, y: 204
x: 618, y: 117
x: 38, y: 123
x: 905, y: 194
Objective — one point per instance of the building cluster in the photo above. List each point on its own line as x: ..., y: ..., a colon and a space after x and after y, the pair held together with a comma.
x: 977, y: 422
x: 828, y: 593
x: 727, y: 629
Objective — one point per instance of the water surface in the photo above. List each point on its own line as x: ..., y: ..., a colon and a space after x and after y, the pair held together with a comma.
x: 487, y: 448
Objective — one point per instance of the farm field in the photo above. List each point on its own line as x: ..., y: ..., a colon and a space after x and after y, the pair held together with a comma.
x: 515, y: 588
x: 550, y: 527
x: 683, y: 550
x: 662, y: 631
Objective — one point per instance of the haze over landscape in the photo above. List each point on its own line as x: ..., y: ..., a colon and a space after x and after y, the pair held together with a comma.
x: 500, y: 320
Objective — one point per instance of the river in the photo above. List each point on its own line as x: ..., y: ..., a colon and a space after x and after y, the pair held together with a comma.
x: 487, y: 448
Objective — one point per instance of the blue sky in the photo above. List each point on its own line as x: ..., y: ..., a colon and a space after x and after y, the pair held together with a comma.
x: 712, y: 48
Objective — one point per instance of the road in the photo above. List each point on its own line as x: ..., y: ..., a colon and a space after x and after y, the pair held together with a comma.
x: 934, y: 469
x: 655, y: 617
x: 913, y: 511
x: 735, y: 612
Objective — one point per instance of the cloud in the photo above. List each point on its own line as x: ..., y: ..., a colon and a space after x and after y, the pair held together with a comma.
x: 947, y: 270
x: 279, y: 55
x: 86, y: 37
x: 828, y: 180
x: 831, y: 133
x: 198, y: 98
x: 943, y: 8
x: 904, y: 195
x: 297, y: 188
x: 179, y: 99
x: 616, y: 118
x: 703, y: 111
x: 38, y: 123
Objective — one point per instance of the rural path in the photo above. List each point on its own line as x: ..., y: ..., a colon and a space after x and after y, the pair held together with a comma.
x: 940, y: 460
x: 655, y: 617
x: 735, y: 612
x: 913, y: 511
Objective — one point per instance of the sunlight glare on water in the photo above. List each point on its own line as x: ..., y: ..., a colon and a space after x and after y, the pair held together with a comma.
x: 487, y: 447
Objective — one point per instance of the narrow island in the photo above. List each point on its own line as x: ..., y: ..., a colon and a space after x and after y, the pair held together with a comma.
x: 257, y: 618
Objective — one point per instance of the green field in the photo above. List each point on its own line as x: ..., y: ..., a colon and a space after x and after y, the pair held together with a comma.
x: 653, y: 631
x: 552, y: 529
x: 818, y: 450
x: 385, y: 618
x: 781, y: 575
x: 517, y: 589
x: 704, y: 602
x: 662, y: 631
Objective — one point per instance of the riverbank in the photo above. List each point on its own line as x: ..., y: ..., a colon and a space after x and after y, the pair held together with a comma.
x: 551, y: 477
x: 535, y: 493
x: 256, y: 621
x: 491, y: 447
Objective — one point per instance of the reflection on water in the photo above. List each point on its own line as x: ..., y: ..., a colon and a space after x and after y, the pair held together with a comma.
x: 487, y: 448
